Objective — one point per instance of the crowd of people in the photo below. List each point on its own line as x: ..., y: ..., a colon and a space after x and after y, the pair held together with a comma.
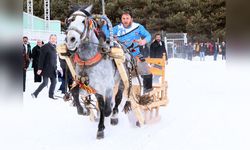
x: 46, y: 64
x: 202, y: 49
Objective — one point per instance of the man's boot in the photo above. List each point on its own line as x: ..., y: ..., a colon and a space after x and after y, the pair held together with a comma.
x: 147, y: 83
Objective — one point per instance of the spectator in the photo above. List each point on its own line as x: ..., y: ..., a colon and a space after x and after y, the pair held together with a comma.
x: 26, y: 59
x: 35, y: 57
x: 197, y: 49
x: 216, y: 50
x: 210, y: 48
x: 66, y: 77
x: 223, y: 50
x: 157, y: 48
x: 174, y: 50
x: 185, y: 51
x: 189, y: 51
x: 47, y: 66
x: 202, y: 51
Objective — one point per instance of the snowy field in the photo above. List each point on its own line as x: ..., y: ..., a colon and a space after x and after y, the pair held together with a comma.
x: 208, y: 110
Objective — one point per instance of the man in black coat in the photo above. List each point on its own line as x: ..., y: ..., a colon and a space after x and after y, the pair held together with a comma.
x: 35, y: 56
x: 66, y: 78
x: 47, y: 66
x: 26, y: 59
x: 190, y: 50
x: 157, y: 48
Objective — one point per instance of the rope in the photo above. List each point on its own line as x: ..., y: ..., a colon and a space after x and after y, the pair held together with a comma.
x: 88, y: 102
x: 66, y: 79
x: 130, y: 81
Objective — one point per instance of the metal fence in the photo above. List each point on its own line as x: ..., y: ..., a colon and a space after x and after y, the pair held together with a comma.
x: 175, y: 44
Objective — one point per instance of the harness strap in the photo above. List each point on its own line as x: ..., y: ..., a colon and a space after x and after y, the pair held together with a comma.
x: 88, y: 62
x: 87, y: 88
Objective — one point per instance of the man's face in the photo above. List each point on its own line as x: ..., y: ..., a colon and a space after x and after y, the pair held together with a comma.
x: 158, y: 38
x: 126, y: 20
x: 53, y: 39
x: 25, y: 40
x: 39, y: 43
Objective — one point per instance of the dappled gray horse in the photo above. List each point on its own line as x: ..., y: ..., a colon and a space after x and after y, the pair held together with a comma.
x: 82, y: 41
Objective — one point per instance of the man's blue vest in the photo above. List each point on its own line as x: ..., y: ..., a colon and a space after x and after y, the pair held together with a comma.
x: 129, y: 35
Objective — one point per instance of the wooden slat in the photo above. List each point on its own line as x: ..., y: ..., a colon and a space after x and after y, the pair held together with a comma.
x: 119, y: 63
x: 155, y: 104
x: 156, y: 61
x: 156, y: 71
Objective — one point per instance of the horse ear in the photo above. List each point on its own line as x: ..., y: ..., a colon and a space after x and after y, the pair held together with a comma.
x: 89, y: 8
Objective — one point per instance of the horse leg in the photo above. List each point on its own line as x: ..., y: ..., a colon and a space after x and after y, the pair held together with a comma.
x: 118, y: 99
x: 75, y: 94
x: 101, y: 127
x: 108, y: 103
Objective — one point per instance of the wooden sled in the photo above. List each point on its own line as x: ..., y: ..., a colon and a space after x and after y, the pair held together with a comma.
x: 148, y: 113
x: 158, y: 95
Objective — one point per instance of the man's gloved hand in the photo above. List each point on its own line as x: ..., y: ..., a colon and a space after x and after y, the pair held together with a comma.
x: 141, y: 57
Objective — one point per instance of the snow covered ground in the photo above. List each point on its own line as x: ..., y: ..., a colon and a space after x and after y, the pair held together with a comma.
x: 208, y: 110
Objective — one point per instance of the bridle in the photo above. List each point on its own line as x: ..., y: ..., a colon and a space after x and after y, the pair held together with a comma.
x: 84, y: 35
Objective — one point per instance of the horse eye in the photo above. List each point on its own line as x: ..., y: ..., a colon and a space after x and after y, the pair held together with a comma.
x: 83, y: 21
x: 66, y: 21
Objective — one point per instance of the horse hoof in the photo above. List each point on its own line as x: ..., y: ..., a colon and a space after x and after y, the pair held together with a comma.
x: 100, y: 134
x: 66, y: 97
x: 107, y: 113
x: 114, y: 121
x: 138, y: 124
x: 73, y: 104
x: 80, y: 111
x: 86, y: 112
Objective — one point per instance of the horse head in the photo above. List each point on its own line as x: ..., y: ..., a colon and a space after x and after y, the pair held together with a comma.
x: 78, y: 28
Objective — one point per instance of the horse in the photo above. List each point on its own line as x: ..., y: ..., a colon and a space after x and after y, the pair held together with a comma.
x: 100, y: 71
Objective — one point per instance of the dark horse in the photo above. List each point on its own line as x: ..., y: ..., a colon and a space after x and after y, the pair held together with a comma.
x: 83, y: 42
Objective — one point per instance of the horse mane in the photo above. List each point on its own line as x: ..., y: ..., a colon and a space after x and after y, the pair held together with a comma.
x: 75, y: 7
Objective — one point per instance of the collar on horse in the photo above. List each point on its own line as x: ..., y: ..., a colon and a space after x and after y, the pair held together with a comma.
x: 92, y: 61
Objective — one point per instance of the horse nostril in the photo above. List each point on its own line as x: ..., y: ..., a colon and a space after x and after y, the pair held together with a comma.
x: 72, y: 39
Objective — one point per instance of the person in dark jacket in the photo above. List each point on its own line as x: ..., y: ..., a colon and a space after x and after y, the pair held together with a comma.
x: 157, y: 48
x: 47, y: 66
x: 35, y: 58
x: 26, y: 62
x: 223, y: 50
x: 66, y: 78
x: 216, y: 50
x: 27, y: 46
x: 202, y: 51
x: 26, y: 59
x: 190, y: 50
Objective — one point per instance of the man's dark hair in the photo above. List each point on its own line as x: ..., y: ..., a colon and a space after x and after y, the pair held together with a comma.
x: 157, y: 34
x: 25, y: 37
x: 127, y: 12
